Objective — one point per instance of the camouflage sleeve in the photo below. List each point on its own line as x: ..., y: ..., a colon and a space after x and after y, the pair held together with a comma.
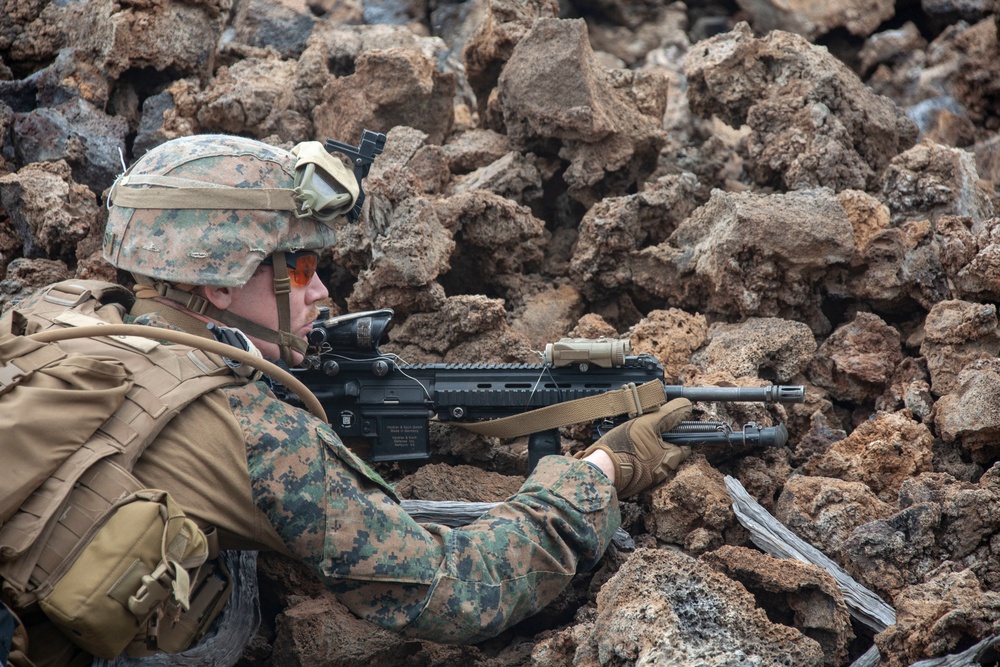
x: 429, y: 581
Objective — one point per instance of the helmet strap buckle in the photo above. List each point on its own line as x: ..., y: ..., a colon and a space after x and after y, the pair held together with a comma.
x: 198, y: 304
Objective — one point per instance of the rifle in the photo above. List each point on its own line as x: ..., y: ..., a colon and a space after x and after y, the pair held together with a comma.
x: 374, y: 395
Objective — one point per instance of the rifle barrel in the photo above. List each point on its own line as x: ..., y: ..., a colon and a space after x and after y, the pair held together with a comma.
x: 775, y: 393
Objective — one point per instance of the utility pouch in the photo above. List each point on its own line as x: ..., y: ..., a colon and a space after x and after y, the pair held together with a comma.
x: 175, y: 629
x: 137, y: 562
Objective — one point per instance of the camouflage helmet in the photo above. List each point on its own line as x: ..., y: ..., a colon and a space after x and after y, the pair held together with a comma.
x: 207, y: 209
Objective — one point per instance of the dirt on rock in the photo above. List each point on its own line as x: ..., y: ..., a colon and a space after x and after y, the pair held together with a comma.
x: 752, y: 191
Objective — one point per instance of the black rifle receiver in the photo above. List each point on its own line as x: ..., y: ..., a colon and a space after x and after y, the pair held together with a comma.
x: 368, y: 394
x: 362, y: 156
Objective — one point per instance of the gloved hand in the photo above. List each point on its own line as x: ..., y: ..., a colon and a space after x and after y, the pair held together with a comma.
x: 640, y: 455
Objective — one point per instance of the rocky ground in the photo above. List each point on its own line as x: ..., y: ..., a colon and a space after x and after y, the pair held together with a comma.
x: 792, y: 192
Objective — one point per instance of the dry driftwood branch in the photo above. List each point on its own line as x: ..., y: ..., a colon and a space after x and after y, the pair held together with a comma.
x: 970, y: 656
x: 774, y: 538
x: 869, y: 659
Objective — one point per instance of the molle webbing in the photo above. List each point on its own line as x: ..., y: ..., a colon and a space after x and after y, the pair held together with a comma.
x: 47, y: 528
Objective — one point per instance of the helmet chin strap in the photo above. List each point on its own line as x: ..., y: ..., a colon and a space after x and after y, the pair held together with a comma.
x: 284, y: 338
x: 282, y: 288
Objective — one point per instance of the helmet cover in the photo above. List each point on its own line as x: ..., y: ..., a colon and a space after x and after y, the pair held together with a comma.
x: 219, y: 247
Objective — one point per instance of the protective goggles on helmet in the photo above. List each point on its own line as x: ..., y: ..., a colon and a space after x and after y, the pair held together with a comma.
x: 301, y: 266
x: 324, y: 188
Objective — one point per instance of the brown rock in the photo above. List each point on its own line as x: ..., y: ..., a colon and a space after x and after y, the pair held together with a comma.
x: 75, y: 131
x: 508, y: 457
x: 475, y: 148
x: 813, y: 122
x: 25, y: 276
x: 514, y: 175
x: 890, y: 46
x: 592, y: 325
x: 466, y: 329
x: 671, y: 336
x: 407, y: 151
x: 943, y: 616
x: 693, y: 509
x: 970, y: 413
x: 490, y: 46
x: 615, y: 228
x: 970, y: 258
x: 856, y: 360
x: 821, y: 429
x: 342, y: 44
x: 10, y: 242
x: 253, y: 96
x: 824, y: 511
x: 867, y: 215
x: 763, y: 474
x: 178, y: 36
x: 662, y: 606
x: 461, y: 483
x: 553, y: 88
x: 909, y: 388
x: 51, y: 212
x: 764, y: 347
x: 284, y: 25
x: 812, y: 20
x: 321, y: 631
x: 548, y: 314
x: 755, y: 255
x: 957, y: 333
x: 804, y: 596
x: 987, y: 152
x: 498, y: 237
x: 931, y: 180
x: 942, y: 520
x: 393, y: 171
x: 412, y: 92
x: 977, y: 84
x: 634, y: 42
x: 882, y: 453
x: 902, y: 262
x: 970, y: 514
x: 413, y: 249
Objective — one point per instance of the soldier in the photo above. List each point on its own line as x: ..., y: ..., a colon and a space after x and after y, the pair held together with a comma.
x: 225, y: 230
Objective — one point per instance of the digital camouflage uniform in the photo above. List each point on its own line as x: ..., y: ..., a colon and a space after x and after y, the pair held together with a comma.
x: 271, y: 476
x: 309, y: 496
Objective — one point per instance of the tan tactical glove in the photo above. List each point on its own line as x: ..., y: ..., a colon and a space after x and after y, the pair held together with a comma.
x: 640, y: 455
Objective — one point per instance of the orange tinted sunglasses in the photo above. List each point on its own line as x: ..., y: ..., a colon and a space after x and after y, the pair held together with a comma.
x: 301, y: 266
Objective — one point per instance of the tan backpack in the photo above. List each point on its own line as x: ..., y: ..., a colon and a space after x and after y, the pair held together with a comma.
x: 107, y: 560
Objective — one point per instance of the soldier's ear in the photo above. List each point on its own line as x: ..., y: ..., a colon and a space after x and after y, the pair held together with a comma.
x: 220, y: 297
